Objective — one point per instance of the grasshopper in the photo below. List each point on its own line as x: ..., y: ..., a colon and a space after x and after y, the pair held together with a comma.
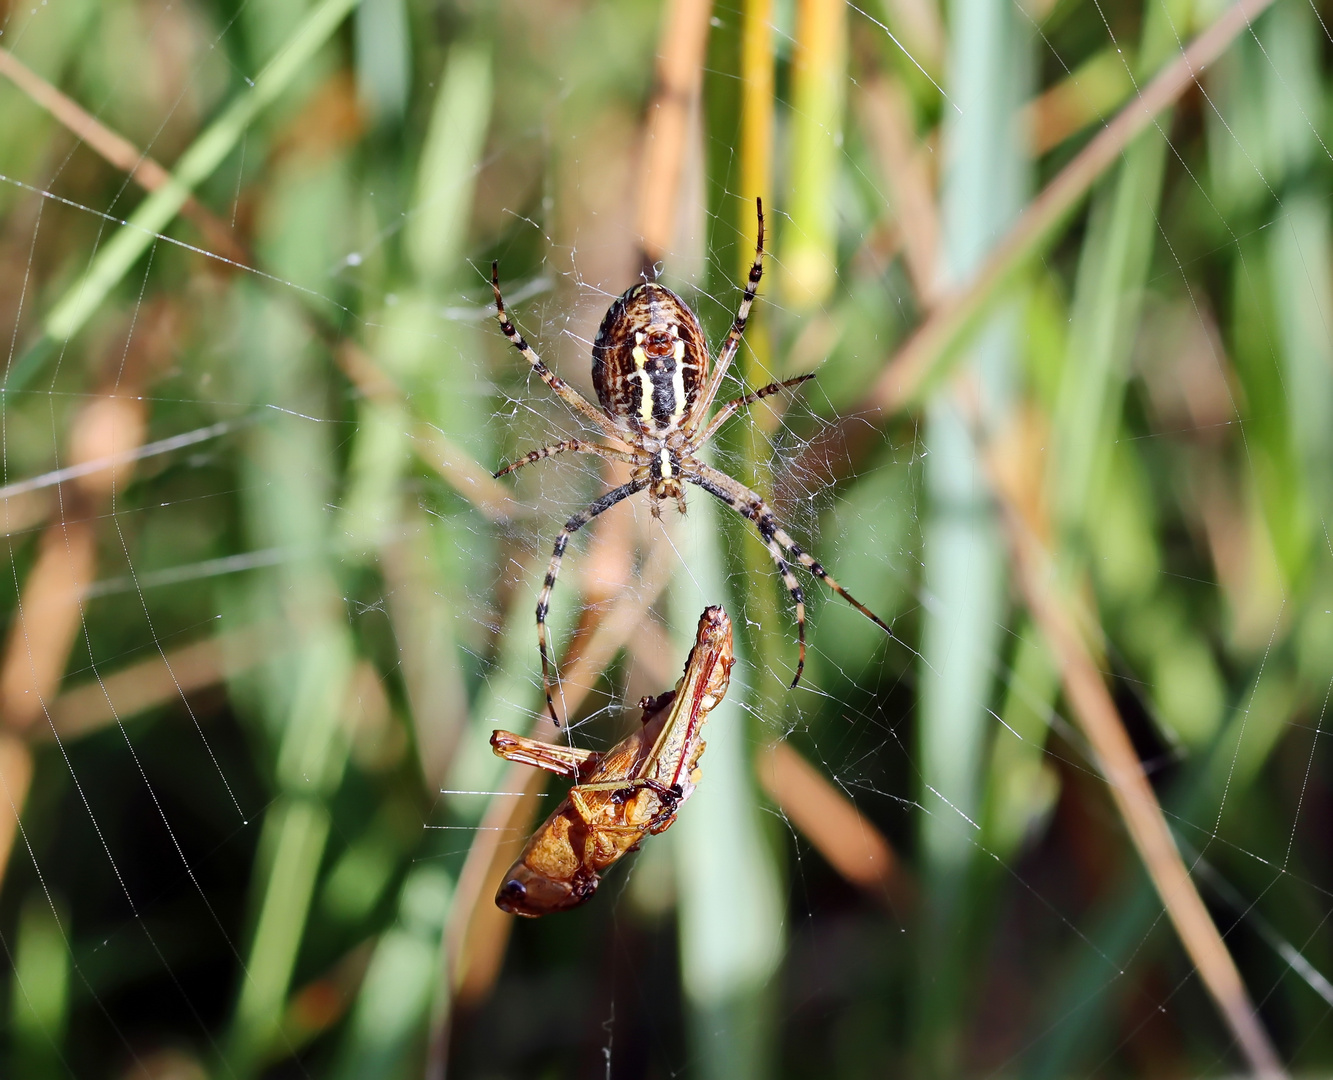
x: 622, y: 795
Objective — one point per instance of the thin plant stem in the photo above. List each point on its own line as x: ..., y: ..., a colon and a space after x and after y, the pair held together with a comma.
x: 1100, y: 721
x: 936, y: 341
x: 117, y: 150
x: 926, y: 355
x: 679, y: 71
x: 155, y: 213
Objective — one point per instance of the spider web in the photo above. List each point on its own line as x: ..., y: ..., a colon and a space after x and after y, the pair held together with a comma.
x: 266, y: 604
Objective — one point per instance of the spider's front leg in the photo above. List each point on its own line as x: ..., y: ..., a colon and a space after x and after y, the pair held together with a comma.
x: 749, y: 505
x: 572, y: 526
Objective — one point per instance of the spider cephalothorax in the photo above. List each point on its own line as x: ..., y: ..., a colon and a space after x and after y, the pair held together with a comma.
x: 650, y: 365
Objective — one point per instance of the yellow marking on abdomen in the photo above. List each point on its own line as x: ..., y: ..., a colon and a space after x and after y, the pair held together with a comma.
x: 641, y: 369
x: 678, y: 383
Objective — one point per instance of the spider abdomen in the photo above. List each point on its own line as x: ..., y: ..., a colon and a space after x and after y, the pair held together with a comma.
x: 649, y: 360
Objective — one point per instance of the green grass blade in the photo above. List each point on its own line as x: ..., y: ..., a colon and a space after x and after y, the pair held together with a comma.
x: 809, y: 258
x: 447, y: 174
x: 731, y: 907
x: 983, y: 191
x: 398, y: 986
x: 1023, y: 785
x: 384, y: 58
x: 296, y: 831
x: 1109, y: 295
x: 289, y: 478
x: 1302, y: 285
x: 207, y: 152
x: 39, y: 992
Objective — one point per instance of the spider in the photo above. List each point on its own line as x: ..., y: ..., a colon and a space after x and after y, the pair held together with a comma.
x: 650, y: 367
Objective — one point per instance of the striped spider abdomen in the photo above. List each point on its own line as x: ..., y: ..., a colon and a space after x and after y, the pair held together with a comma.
x: 649, y: 361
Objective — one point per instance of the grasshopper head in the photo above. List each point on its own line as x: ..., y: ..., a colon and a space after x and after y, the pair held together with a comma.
x: 531, y: 894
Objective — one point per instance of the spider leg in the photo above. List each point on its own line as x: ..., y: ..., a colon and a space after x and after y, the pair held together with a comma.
x: 748, y: 504
x: 577, y: 446
x: 797, y: 597
x: 733, y: 342
x: 566, y: 393
x: 732, y: 407
x: 572, y: 526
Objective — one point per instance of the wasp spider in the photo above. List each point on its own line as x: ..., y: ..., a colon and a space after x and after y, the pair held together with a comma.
x: 650, y: 365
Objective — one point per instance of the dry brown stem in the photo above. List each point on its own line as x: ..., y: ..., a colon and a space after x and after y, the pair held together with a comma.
x: 462, y: 472
x: 47, y: 620
x: 50, y: 609
x: 904, y: 377
x: 15, y: 779
x: 108, y: 429
x: 1099, y: 720
x: 156, y: 681
x: 1076, y: 102
x: 679, y: 74
x: 116, y: 150
x: 887, y: 121
x: 823, y: 814
x: 19, y: 513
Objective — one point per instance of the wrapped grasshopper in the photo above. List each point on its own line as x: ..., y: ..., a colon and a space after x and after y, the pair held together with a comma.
x: 622, y: 795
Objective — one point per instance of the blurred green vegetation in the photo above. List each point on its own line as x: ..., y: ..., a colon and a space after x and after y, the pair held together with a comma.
x: 248, y: 678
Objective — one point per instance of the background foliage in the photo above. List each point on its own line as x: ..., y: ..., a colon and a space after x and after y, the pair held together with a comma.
x: 264, y: 602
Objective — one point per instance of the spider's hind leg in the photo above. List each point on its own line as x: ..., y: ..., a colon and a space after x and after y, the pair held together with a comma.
x: 733, y: 341
x: 571, y: 397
